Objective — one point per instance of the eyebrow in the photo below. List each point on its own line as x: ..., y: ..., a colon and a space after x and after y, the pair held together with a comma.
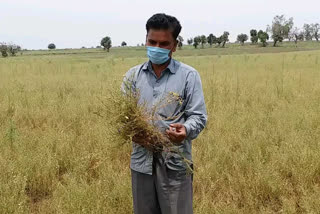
x: 165, y: 43
x: 151, y: 40
x: 161, y: 43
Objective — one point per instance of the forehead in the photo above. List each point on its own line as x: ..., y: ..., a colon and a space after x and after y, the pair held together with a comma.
x: 160, y: 35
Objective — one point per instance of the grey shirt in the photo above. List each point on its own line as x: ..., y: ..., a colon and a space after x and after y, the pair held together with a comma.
x: 184, y: 81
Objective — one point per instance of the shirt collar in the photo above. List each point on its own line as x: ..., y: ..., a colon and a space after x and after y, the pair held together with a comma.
x: 171, y: 67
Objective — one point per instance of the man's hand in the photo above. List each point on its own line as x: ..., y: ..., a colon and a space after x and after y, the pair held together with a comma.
x: 177, y: 132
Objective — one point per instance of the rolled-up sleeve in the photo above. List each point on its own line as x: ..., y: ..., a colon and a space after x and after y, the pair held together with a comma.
x: 128, y: 83
x: 195, y: 110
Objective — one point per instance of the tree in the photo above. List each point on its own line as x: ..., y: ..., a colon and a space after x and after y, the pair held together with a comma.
x: 190, y: 41
x: 106, y: 43
x: 276, y: 38
x: 254, y: 36
x: 13, y: 49
x: 225, y: 38
x: 242, y: 38
x: 300, y: 36
x: 196, y: 41
x: 3, y: 49
x: 315, y: 31
x: 307, y: 32
x: 51, y: 46
x: 263, y: 37
x: 296, y: 35
x: 211, y: 39
x: 180, y: 40
x: 219, y: 40
x: 291, y: 35
x: 280, y: 28
x: 123, y: 44
x: 203, y: 40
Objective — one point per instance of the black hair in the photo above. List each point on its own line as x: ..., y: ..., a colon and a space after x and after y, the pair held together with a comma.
x: 161, y: 21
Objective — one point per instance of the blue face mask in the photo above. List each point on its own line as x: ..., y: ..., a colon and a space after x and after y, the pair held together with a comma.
x: 157, y: 55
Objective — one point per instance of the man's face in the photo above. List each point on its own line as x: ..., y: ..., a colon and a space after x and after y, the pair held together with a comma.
x: 161, y: 39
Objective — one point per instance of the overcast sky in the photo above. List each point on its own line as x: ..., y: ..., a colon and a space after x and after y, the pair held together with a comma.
x: 34, y: 24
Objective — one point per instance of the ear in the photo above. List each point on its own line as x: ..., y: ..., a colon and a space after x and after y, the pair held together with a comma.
x: 175, y: 46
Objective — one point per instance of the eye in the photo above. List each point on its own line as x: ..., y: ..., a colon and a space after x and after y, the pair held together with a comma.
x: 152, y: 42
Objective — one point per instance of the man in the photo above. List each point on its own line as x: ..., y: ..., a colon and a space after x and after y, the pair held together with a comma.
x: 160, y: 184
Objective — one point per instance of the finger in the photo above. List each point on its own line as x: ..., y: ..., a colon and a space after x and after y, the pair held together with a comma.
x: 172, y: 138
x: 172, y: 133
x: 176, y: 125
x: 175, y: 139
x: 180, y: 136
x: 173, y: 129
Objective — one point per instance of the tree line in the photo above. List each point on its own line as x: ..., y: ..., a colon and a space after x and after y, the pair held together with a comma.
x: 281, y: 29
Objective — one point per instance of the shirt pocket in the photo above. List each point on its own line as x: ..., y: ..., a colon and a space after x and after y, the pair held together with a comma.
x: 175, y: 162
x: 171, y: 105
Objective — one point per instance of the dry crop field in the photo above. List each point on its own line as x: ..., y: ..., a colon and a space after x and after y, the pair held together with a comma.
x: 258, y: 154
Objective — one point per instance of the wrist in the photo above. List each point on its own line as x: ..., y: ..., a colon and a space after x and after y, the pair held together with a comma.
x: 187, y: 128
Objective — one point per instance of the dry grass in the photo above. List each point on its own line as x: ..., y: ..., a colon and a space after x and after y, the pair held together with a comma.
x: 258, y: 154
x: 130, y: 120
